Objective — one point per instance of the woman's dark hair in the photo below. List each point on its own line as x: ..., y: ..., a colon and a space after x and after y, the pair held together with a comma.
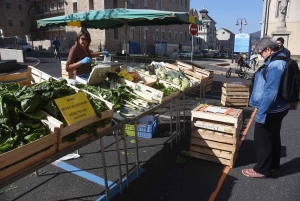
x: 84, y: 32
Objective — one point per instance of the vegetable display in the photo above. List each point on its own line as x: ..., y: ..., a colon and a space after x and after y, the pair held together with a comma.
x: 166, y: 90
x: 21, y: 112
x: 176, y: 77
x: 121, y: 95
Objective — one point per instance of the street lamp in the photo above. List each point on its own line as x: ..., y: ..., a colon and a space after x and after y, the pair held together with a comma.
x: 240, y: 22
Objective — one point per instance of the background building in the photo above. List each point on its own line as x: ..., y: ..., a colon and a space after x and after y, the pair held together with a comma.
x: 224, y: 40
x: 207, y: 31
x: 18, y: 18
x: 163, y: 40
x: 270, y: 21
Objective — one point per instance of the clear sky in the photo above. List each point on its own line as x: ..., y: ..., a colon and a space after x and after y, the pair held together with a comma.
x: 226, y: 13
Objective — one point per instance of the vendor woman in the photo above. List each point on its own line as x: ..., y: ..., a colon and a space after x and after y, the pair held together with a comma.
x: 79, y: 60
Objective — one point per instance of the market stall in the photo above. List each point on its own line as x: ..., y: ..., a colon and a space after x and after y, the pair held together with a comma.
x: 65, y: 138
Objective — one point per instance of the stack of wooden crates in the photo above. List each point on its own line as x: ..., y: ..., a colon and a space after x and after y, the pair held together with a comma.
x: 215, y: 133
x: 235, y: 94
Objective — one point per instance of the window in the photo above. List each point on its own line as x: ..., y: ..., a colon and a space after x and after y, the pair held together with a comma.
x: 75, y: 7
x: 131, y: 33
x: 156, y: 6
x: 115, y: 4
x: 156, y: 36
x: 180, y: 37
x: 145, y: 34
x: 223, y: 32
x: 186, y: 3
x: 175, y: 36
x: 131, y: 4
x: 170, y: 36
x: 163, y: 35
x: 52, y: 5
x: 8, y: 5
x: 116, y: 33
x: 145, y: 4
x: 10, y: 23
x: 181, y: 2
x: 20, y: 7
x: 60, y: 4
x: 91, y: 4
x: 22, y: 23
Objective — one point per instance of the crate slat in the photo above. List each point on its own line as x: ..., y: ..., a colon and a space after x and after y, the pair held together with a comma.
x: 213, y: 144
x: 212, y: 158
x: 213, y: 152
x: 28, y: 162
x: 214, y: 136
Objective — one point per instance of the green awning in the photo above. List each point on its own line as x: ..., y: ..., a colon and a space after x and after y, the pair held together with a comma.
x: 116, y: 18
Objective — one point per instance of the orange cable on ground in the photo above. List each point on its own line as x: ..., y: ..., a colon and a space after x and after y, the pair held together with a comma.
x: 227, y: 168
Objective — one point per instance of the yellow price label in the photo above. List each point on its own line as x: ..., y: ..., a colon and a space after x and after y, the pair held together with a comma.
x: 124, y: 73
x: 75, y: 108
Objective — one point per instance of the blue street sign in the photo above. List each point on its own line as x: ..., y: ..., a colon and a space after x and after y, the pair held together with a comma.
x: 242, y: 42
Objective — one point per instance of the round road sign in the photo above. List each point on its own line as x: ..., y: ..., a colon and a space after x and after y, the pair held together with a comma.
x: 193, y: 29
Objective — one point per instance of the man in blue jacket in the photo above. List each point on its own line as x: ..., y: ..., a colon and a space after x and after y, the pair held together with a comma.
x: 271, y: 109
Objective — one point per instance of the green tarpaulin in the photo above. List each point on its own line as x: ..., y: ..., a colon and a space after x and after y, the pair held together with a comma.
x: 115, y: 18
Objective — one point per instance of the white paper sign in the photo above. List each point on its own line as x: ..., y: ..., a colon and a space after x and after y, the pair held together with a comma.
x: 215, y: 110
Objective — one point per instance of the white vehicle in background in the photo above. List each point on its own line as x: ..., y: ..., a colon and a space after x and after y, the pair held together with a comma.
x: 186, y: 53
x: 25, y: 46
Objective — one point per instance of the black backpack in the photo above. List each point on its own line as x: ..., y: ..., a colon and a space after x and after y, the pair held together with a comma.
x: 290, y: 86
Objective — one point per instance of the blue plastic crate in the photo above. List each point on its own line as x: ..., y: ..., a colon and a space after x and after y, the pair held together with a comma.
x: 153, y: 126
x: 149, y: 127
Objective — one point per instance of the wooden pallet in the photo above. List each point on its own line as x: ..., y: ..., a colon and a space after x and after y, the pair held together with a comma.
x: 31, y: 76
x: 20, y: 158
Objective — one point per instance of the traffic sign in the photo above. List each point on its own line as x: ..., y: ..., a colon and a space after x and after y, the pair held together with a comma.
x: 193, y: 29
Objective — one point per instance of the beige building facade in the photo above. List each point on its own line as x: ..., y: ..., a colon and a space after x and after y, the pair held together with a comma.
x: 18, y: 18
x: 173, y: 37
x: 271, y: 26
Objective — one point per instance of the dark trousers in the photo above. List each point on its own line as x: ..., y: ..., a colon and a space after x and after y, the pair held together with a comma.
x: 268, y: 143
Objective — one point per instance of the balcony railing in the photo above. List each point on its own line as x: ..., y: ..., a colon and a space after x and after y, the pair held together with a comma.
x: 45, y: 10
x: 35, y: 29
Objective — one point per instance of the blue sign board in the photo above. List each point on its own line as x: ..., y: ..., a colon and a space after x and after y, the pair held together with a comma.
x: 242, y: 42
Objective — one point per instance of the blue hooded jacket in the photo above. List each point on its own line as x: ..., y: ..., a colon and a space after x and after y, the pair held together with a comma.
x: 265, y: 92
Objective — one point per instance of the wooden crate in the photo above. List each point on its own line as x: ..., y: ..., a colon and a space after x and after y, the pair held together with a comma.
x: 147, y: 79
x: 231, y: 116
x: 31, y: 76
x: 23, y: 157
x: 184, y: 66
x: 65, y: 74
x: 235, y: 94
x: 215, y: 135
x: 66, y: 130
